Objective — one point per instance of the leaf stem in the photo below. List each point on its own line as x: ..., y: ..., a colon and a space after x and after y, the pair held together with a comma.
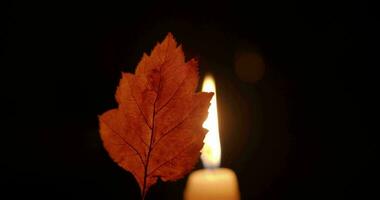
x: 148, y: 157
x: 151, y: 141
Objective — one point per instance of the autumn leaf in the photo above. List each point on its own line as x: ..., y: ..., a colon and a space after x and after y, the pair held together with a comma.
x: 156, y: 131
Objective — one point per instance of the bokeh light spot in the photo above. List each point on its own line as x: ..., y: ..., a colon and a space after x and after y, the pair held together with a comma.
x: 249, y: 66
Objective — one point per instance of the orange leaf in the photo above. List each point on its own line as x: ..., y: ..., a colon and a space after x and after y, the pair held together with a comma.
x: 156, y: 131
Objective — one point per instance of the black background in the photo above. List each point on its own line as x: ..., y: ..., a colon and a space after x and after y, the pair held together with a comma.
x: 301, y: 132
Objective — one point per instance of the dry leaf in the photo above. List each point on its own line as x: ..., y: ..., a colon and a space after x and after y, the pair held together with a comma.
x: 156, y: 131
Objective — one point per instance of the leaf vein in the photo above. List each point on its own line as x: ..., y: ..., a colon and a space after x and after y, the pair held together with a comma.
x: 176, y: 126
x: 138, y: 106
x: 172, y: 97
x: 124, y: 140
x: 171, y: 159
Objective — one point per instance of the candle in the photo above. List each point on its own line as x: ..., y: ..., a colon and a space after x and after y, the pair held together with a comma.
x: 212, y: 183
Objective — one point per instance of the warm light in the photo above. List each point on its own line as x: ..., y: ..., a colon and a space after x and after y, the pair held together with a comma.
x: 211, y: 152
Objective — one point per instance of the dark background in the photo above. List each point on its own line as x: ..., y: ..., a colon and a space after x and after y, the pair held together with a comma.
x: 300, y: 131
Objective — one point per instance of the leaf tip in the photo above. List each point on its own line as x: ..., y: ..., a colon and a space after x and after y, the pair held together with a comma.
x: 170, y: 39
x: 170, y: 35
x: 210, y: 95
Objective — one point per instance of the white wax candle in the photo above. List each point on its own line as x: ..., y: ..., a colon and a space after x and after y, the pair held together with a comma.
x: 212, y: 184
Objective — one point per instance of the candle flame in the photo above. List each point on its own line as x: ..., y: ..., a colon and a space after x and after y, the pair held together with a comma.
x: 211, y: 152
